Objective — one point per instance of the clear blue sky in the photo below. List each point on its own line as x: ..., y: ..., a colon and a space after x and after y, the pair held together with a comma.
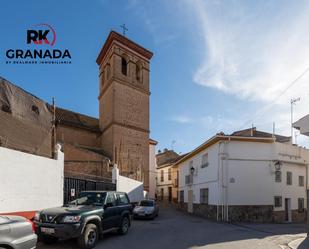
x: 217, y: 65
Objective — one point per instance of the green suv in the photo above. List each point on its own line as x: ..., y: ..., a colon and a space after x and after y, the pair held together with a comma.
x: 85, y: 218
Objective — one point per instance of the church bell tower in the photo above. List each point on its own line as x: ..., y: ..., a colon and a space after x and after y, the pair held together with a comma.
x: 124, y: 105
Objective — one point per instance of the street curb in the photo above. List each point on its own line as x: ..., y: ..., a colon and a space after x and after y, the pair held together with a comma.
x: 295, y: 243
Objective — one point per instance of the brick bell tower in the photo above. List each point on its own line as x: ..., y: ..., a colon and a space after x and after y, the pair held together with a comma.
x: 124, y: 105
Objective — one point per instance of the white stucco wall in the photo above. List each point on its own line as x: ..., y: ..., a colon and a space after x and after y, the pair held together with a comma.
x: 29, y: 182
x: 134, y: 189
x: 247, y: 172
x: 203, y: 177
x: 152, y: 171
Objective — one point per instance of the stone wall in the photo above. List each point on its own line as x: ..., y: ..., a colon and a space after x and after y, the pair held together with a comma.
x: 256, y: 214
x: 297, y: 217
x: 259, y: 214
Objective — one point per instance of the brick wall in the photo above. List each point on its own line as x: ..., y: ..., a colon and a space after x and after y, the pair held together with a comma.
x: 84, y: 164
x: 69, y: 134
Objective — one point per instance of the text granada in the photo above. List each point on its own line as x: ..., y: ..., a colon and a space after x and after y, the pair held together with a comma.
x: 37, y: 54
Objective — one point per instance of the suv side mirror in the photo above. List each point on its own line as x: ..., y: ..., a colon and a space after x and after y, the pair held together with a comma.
x: 109, y: 204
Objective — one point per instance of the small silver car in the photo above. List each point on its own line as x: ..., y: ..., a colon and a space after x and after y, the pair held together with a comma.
x: 146, y: 209
x: 17, y: 233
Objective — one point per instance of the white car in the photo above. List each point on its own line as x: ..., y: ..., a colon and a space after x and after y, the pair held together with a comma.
x: 146, y: 209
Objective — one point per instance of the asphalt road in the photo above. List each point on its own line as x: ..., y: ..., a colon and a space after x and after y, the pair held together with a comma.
x: 177, y: 230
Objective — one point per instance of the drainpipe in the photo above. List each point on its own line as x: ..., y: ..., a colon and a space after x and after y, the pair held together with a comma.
x: 307, y: 193
x: 218, y: 177
x: 227, y: 181
x: 224, y: 180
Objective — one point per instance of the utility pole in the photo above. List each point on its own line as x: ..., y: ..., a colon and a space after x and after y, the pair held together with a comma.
x: 53, y: 142
x: 293, y: 101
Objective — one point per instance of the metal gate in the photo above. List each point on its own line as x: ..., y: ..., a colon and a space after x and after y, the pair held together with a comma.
x: 73, y: 186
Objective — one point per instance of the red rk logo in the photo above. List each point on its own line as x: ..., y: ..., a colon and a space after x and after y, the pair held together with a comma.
x: 42, y: 36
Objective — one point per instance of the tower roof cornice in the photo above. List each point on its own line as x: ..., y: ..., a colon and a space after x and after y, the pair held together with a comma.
x: 115, y: 36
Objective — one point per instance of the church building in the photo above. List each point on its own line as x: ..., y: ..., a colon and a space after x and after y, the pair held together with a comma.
x: 91, y: 145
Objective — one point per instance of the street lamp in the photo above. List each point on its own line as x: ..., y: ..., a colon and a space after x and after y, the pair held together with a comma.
x: 277, y: 165
x: 192, y: 169
x: 293, y: 101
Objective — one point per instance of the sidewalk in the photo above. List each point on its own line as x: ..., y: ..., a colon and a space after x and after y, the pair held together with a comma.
x: 302, y: 243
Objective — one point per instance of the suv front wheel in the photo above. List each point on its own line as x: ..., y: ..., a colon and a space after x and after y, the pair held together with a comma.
x: 89, y: 238
x: 124, y: 226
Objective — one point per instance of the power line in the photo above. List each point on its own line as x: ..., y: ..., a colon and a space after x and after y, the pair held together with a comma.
x: 263, y: 110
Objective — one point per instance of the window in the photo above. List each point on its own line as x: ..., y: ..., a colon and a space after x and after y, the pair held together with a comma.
x: 204, y: 195
x: 278, y: 201
x: 110, y: 199
x: 301, y: 205
x: 122, y: 199
x: 181, y: 196
x: 146, y: 203
x: 289, y: 178
x: 35, y: 109
x: 138, y: 72
x: 124, y: 66
x: 169, y: 174
x: 162, y: 175
x: 6, y: 108
x: 278, y: 175
x: 301, y: 181
x: 204, y: 160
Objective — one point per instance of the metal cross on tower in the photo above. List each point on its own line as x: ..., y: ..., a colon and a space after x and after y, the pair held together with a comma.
x: 124, y: 29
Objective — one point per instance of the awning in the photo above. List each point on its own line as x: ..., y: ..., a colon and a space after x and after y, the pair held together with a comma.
x: 302, y: 125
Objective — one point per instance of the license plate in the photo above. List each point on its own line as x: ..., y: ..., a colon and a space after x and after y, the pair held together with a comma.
x: 47, y: 230
x: 141, y: 214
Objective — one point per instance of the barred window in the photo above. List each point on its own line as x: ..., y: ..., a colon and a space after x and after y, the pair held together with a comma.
x: 289, y: 178
x: 301, y: 205
x: 278, y: 176
x: 278, y: 201
x: 181, y: 196
x: 204, y: 195
x: 301, y: 181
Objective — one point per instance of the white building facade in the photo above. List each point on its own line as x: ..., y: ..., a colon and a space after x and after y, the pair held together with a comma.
x: 234, y: 178
x: 165, y: 183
